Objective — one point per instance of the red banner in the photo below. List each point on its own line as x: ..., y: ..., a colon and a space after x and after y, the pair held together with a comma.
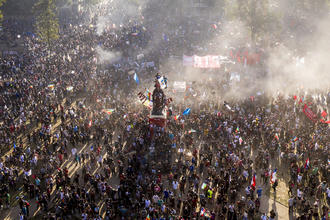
x: 308, y: 112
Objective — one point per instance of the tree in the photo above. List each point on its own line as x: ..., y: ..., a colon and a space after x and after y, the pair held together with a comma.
x: 1, y: 14
x: 257, y: 15
x: 47, y: 26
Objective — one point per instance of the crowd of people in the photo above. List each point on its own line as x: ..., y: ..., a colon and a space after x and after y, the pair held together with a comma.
x: 76, y: 142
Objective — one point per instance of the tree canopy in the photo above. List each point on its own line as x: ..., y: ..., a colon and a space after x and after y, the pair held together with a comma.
x: 1, y: 14
x: 47, y: 26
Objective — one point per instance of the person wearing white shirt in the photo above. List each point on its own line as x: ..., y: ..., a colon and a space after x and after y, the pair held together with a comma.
x: 175, y: 186
x: 299, y: 178
x: 299, y: 193
x: 155, y: 198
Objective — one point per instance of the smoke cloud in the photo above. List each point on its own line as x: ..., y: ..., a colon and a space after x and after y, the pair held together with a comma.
x: 288, y: 70
x: 285, y: 68
x: 107, y: 57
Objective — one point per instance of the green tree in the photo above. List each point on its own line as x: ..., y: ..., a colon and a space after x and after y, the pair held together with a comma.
x: 47, y: 26
x: 1, y: 14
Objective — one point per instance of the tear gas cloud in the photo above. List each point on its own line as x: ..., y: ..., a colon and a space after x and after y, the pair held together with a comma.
x: 285, y: 68
x: 107, y: 57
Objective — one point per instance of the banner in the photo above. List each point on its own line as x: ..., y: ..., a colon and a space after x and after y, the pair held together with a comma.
x: 179, y: 86
x: 144, y: 100
x: 209, y: 61
x: 308, y: 112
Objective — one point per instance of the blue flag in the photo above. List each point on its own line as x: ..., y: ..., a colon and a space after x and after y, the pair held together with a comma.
x: 136, y: 78
x: 186, y: 112
x: 14, y: 145
x: 92, y: 147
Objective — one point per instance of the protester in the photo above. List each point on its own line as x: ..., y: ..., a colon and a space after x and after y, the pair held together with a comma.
x: 203, y: 164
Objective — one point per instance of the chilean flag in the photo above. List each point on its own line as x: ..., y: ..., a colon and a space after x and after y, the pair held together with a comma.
x: 307, y: 163
x: 253, y: 181
x: 273, y: 176
x: 202, y: 212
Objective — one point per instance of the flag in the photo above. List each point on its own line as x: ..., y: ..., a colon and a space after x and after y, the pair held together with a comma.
x: 162, y: 82
x: 324, y: 114
x: 148, y: 217
x: 186, y: 112
x: 309, y: 113
x: 92, y: 148
x: 273, y: 176
x: 294, y: 97
x: 202, y: 212
x: 176, y: 117
x: 69, y: 88
x: 51, y: 86
x: 307, y: 163
x: 240, y: 140
x: 253, y: 181
x: 191, y: 131
x: 148, y: 104
x: 276, y: 137
x: 326, y: 122
x: 14, y: 145
x: 203, y: 186
x: 90, y: 124
x: 108, y: 111
x: 148, y: 95
x: 136, y: 78
x: 237, y: 129
x: 295, y: 139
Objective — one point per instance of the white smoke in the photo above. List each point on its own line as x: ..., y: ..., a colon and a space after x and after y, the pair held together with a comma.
x: 289, y: 70
x: 118, y: 13
x: 107, y: 57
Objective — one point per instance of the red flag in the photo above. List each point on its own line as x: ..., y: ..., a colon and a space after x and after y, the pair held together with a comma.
x: 324, y: 114
x: 308, y: 112
x: 253, y: 181
x: 327, y: 122
x: 307, y: 163
x: 295, y: 97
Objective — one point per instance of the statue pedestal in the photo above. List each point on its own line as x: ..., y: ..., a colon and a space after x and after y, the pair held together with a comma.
x: 157, y: 121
